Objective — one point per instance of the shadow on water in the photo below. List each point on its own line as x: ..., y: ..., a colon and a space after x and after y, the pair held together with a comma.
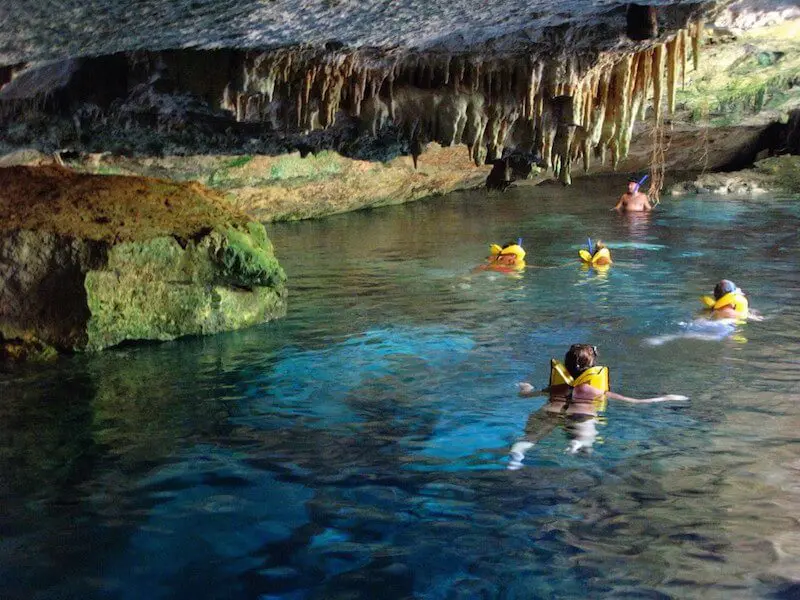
x: 358, y: 448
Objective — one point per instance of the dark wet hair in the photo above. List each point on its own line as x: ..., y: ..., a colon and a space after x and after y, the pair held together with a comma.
x: 725, y: 286
x: 580, y: 357
x: 633, y: 179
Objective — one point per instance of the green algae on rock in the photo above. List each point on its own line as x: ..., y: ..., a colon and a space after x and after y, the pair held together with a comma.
x: 128, y: 259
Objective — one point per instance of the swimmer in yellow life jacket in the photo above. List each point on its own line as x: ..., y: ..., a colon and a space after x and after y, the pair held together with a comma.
x: 578, y: 390
x: 728, y: 302
x: 579, y: 380
x: 597, y: 255
x: 506, y: 259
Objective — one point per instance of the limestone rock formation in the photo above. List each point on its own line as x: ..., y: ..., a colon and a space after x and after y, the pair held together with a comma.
x: 88, y: 262
x: 566, y: 91
x: 772, y: 174
x: 565, y: 83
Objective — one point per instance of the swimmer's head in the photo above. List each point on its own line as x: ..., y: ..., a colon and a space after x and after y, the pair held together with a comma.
x: 514, y: 249
x: 726, y: 286
x: 633, y: 184
x: 580, y: 357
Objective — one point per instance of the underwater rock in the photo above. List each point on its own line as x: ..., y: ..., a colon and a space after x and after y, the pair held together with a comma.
x: 88, y: 262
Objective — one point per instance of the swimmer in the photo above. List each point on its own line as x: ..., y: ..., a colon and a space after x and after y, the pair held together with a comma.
x: 597, y: 254
x: 634, y: 200
x: 729, y: 302
x: 580, y: 380
x: 508, y: 259
x: 725, y: 310
x: 578, y: 390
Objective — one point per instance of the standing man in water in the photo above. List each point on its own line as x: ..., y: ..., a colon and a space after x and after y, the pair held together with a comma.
x: 633, y: 200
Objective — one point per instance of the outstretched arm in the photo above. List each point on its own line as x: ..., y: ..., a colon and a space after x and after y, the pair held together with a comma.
x: 665, y: 398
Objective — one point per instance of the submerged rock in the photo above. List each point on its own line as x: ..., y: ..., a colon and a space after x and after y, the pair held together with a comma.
x: 88, y: 262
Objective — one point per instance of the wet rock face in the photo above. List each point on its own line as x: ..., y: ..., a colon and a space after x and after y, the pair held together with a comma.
x: 41, y: 286
x: 73, y: 286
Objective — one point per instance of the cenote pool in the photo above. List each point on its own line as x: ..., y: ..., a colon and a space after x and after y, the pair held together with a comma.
x: 359, y: 447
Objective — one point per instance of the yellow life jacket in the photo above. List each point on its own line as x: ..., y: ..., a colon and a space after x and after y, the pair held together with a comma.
x: 599, y: 258
x: 597, y: 376
x: 735, y: 299
x: 514, y: 250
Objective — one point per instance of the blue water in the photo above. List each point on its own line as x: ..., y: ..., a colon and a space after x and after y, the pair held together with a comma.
x: 359, y: 447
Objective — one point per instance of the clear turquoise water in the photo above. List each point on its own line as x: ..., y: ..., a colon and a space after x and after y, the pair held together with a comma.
x: 359, y: 447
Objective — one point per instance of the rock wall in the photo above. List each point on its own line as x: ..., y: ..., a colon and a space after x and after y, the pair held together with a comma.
x: 90, y: 283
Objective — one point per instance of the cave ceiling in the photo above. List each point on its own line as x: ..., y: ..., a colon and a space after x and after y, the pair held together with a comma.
x: 561, y: 80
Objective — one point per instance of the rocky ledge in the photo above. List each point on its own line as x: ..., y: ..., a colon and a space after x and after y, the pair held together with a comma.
x: 774, y: 174
x: 88, y: 262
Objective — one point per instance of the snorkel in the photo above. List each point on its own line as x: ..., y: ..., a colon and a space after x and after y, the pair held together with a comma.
x: 596, y: 255
x: 639, y: 183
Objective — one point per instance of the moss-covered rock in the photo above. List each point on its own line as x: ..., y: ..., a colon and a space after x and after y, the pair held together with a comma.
x: 783, y: 170
x: 73, y: 278
x: 158, y: 290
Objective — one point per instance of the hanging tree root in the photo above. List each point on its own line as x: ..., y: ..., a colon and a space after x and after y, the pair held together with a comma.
x: 660, y: 146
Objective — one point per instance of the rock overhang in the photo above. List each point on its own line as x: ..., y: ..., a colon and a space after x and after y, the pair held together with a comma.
x: 555, y: 82
x: 34, y: 32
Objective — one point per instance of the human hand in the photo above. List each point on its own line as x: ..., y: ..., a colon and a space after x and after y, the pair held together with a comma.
x: 670, y: 398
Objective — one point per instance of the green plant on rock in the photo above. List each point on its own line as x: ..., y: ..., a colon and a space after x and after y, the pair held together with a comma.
x: 245, y: 259
x: 221, y: 175
x: 321, y: 165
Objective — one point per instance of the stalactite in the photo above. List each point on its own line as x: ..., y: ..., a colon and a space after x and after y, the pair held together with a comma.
x: 599, y: 112
x: 624, y: 88
x: 659, y: 64
x: 697, y: 33
x: 672, y: 73
x: 682, y: 50
x: 586, y: 148
x: 637, y: 101
x: 647, y: 57
x: 571, y: 109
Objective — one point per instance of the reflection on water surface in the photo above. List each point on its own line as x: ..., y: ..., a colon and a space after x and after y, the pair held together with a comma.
x: 358, y: 448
